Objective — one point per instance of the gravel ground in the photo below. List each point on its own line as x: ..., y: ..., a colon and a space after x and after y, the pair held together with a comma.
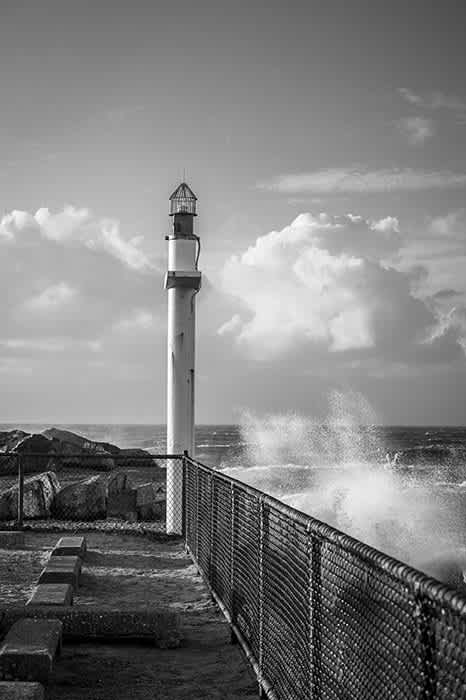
x: 124, y: 571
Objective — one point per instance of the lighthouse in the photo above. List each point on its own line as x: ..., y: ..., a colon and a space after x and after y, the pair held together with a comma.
x: 182, y: 282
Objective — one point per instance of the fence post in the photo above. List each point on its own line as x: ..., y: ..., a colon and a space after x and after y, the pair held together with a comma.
x: 261, y: 593
x: 428, y: 677
x: 184, y: 497
x: 315, y: 615
x: 20, y: 515
x: 233, y: 637
x: 211, y: 525
x: 197, y: 517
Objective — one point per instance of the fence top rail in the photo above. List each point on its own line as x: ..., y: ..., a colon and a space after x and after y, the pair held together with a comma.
x: 422, y: 585
x: 92, y: 455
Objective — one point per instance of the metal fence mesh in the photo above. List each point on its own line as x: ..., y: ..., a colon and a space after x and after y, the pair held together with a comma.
x: 319, y: 614
x: 83, y: 488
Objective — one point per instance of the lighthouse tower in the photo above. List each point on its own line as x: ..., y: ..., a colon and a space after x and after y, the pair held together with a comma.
x: 182, y: 281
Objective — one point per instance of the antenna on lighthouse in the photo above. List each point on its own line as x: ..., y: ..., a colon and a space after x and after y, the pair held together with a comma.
x: 182, y: 282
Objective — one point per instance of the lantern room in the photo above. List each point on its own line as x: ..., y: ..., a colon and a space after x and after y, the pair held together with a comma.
x: 183, y: 201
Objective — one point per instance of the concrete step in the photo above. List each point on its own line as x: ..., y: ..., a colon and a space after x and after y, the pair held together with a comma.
x: 63, y: 569
x: 29, y: 649
x: 11, y: 538
x: 9, y: 690
x: 160, y: 627
x: 70, y: 546
x: 52, y: 594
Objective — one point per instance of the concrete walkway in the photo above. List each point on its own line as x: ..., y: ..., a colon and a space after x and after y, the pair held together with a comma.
x: 128, y: 572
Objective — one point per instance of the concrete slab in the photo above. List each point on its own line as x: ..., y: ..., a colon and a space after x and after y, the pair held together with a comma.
x: 9, y: 690
x: 63, y: 569
x: 161, y: 626
x: 70, y: 546
x: 52, y: 594
x: 11, y: 538
x: 29, y: 649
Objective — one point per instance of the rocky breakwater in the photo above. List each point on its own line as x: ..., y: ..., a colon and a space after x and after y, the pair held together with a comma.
x: 57, y: 455
x: 39, y: 494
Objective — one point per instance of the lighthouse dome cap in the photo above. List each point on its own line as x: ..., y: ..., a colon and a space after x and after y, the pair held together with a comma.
x: 183, y: 201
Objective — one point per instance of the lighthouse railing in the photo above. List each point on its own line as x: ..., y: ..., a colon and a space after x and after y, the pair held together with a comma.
x: 319, y: 614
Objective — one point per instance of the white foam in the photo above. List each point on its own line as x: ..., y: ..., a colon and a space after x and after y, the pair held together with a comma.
x: 351, y: 485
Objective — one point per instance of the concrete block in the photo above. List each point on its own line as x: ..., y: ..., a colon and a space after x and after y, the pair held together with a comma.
x: 12, y: 538
x: 161, y: 627
x: 9, y: 690
x: 29, y: 649
x: 70, y: 546
x: 63, y: 569
x: 52, y: 594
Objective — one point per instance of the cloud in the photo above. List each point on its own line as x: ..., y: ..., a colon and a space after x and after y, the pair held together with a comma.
x: 321, y: 283
x: 52, y: 298
x: 232, y: 326
x: 450, y: 224
x: 439, y: 249
x: 140, y: 319
x: 48, y: 345
x: 353, y: 180
x: 433, y: 100
x: 389, y: 224
x: 43, y: 344
x: 417, y: 130
x: 78, y: 227
x: 71, y: 280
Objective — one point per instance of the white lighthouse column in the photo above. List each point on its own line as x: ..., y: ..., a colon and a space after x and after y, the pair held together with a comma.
x: 182, y: 282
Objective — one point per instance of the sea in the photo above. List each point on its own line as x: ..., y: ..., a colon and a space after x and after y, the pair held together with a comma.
x: 400, y: 489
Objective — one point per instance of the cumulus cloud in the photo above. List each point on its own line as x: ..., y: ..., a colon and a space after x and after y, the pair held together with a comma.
x: 389, y: 224
x: 324, y: 282
x: 72, y: 280
x: 417, y: 130
x: 77, y: 227
x: 15, y: 222
x: 347, y: 180
x: 433, y: 100
x: 54, y: 297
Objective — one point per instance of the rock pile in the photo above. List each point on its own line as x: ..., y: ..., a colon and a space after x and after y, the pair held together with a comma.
x: 92, y: 498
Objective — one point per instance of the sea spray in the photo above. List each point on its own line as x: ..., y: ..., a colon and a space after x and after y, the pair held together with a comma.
x: 339, y: 471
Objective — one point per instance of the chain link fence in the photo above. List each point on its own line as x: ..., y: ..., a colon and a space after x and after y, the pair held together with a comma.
x: 319, y: 614
x: 82, y: 490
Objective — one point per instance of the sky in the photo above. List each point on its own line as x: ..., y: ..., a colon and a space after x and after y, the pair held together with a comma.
x: 326, y: 142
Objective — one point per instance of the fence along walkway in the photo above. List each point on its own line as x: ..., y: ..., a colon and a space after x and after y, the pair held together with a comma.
x: 319, y: 614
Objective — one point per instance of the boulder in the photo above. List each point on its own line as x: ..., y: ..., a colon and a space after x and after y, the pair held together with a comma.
x: 122, y: 505
x: 77, y: 450
x: 39, y: 493
x: 79, y: 442
x: 8, y: 465
x: 42, y: 450
x: 118, y: 482
x: 151, y: 501
x: 10, y: 438
x: 5, y: 507
x: 83, y: 500
x: 108, y: 447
